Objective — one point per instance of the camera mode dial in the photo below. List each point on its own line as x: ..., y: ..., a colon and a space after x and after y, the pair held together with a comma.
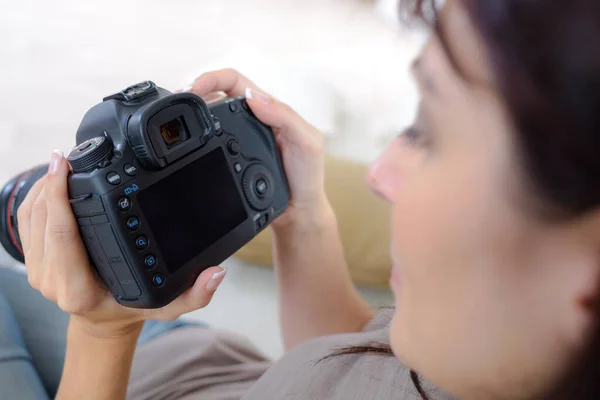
x: 88, y: 155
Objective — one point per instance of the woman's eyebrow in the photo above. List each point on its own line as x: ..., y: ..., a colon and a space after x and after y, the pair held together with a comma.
x: 424, y: 76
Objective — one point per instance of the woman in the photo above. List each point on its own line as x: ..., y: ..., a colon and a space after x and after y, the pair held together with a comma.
x: 495, y: 234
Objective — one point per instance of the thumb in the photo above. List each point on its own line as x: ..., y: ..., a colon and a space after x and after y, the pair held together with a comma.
x: 198, y: 296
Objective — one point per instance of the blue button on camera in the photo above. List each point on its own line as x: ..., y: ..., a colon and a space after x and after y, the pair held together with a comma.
x: 133, y: 223
x: 141, y: 242
x: 158, y: 280
x: 150, y: 261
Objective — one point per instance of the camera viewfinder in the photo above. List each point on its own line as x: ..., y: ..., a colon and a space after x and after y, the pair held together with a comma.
x: 174, y: 132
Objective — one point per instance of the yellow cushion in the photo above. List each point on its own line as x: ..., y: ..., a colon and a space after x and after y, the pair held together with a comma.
x: 363, y: 221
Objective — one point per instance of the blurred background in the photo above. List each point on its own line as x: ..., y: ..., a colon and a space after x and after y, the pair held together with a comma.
x: 342, y: 64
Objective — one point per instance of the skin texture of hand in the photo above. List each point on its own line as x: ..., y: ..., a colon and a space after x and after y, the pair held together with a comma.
x: 58, y: 265
x: 300, y: 144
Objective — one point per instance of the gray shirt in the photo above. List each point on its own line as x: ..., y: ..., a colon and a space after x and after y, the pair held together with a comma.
x: 197, y: 363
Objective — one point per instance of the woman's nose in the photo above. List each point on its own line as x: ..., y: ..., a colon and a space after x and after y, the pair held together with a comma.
x: 382, y: 174
x: 386, y: 174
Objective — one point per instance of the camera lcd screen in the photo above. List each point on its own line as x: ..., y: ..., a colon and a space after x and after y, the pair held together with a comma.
x: 191, y: 209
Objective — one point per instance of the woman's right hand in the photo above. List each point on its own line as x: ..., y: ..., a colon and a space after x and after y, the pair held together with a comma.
x: 300, y: 143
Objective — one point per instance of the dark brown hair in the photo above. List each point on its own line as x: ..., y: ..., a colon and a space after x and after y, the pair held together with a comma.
x: 545, y: 56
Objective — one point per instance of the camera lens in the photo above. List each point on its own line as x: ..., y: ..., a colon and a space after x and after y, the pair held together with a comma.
x: 173, y: 132
x: 11, y: 197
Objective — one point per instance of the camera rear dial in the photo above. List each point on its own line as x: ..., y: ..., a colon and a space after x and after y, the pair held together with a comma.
x: 258, y: 184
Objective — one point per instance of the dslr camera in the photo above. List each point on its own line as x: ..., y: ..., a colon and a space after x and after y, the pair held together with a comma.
x: 163, y: 186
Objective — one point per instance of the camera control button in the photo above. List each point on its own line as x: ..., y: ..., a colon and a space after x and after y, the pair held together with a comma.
x: 141, y: 242
x: 133, y: 223
x: 245, y: 105
x: 130, y: 169
x: 233, y: 107
x: 150, y: 261
x: 261, y: 222
x: 91, y: 154
x: 237, y: 167
x: 217, y: 122
x: 261, y: 187
x: 259, y: 194
x: 124, y: 203
x: 158, y: 280
x: 113, y: 178
x: 233, y: 147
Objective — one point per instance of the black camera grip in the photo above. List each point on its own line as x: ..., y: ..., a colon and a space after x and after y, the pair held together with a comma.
x: 104, y: 250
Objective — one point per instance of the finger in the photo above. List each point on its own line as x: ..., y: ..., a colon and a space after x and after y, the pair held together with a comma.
x: 198, y: 296
x: 209, y: 98
x: 227, y: 80
x: 279, y: 116
x: 24, y: 213
x: 269, y: 110
x: 63, y: 242
x: 214, y: 97
x: 39, y: 215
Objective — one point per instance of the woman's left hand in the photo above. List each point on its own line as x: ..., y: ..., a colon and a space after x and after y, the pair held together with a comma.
x: 58, y: 264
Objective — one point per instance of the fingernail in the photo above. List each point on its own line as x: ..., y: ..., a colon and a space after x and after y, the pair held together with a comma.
x: 187, y: 88
x: 215, y: 281
x: 55, y: 160
x: 260, y: 97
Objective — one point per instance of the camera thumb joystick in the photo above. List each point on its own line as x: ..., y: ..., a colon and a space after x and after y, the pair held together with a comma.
x: 90, y: 154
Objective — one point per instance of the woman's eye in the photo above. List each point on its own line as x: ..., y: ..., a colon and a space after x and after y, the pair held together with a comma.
x: 415, y: 136
x: 412, y: 133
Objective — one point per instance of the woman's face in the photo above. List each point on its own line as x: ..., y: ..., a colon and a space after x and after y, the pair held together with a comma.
x: 488, y: 296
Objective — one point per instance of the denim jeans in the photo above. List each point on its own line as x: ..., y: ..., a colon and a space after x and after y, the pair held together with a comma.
x: 33, y: 339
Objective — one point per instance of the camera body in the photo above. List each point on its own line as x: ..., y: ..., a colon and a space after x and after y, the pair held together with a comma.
x: 164, y: 186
